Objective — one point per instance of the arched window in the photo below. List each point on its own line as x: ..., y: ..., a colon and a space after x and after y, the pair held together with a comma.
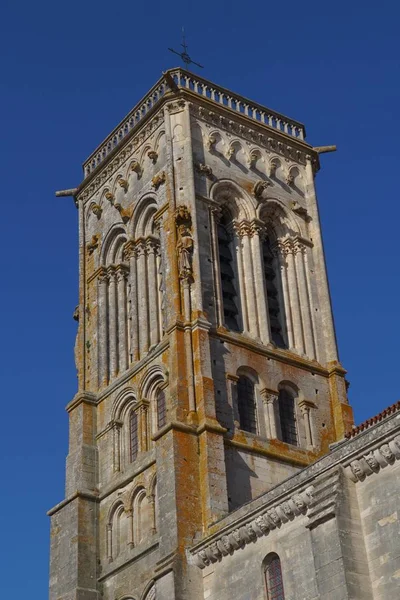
x: 134, y: 434
x: 228, y: 284
x: 246, y: 405
x: 273, y: 578
x: 161, y: 409
x: 274, y: 308
x: 287, y: 417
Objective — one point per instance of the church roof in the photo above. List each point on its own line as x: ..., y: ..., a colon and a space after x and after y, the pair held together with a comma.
x: 180, y: 80
x: 374, y: 420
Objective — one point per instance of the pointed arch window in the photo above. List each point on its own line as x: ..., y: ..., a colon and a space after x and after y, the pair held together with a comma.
x: 246, y: 405
x: 134, y: 434
x: 161, y: 409
x: 274, y: 307
x: 273, y: 578
x: 287, y: 416
x: 229, y: 290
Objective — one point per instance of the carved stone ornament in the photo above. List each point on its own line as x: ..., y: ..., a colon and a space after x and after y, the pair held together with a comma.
x: 299, y: 210
x: 374, y: 461
x: 201, y: 168
x: 123, y: 183
x: 75, y: 315
x: 289, y: 179
x: 271, y: 518
x: 252, y: 159
x: 211, y: 140
x: 158, y: 180
x: 184, y: 245
x: 272, y: 169
x: 230, y: 152
x: 110, y: 197
x: 97, y: 210
x: 125, y: 213
x: 93, y: 244
x: 135, y: 166
x: 260, y: 187
x: 153, y: 155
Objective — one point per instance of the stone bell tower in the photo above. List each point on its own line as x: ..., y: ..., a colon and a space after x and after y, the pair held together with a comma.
x: 206, y: 353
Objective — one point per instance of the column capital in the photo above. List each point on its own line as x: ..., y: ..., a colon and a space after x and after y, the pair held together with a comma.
x: 233, y: 378
x: 102, y: 276
x: 129, y: 250
x: 269, y: 396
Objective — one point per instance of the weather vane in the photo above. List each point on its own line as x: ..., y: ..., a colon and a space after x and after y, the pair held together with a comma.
x: 184, y: 55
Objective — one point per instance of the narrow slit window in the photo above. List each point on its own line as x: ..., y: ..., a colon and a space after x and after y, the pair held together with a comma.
x: 134, y: 434
x: 274, y: 308
x: 228, y: 283
x: 246, y: 405
x: 161, y: 409
x: 273, y: 579
x: 287, y: 415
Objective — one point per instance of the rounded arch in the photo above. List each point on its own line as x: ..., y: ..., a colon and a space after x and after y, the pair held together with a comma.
x: 280, y: 223
x: 143, y: 154
x: 272, y: 572
x: 152, y: 379
x: 289, y: 386
x: 250, y: 373
x: 134, y: 493
x: 123, y: 402
x: 116, y: 506
x: 112, y: 246
x: 142, y: 221
x: 149, y: 592
x: 239, y: 204
x: 158, y: 140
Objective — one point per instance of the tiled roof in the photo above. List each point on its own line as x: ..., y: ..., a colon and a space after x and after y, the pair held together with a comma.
x: 373, y: 420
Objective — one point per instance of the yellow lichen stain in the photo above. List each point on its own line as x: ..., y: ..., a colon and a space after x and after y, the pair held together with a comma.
x: 390, y: 519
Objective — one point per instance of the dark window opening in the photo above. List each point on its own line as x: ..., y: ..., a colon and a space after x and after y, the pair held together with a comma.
x: 246, y: 405
x: 134, y: 434
x: 274, y: 309
x: 161, y: 409
x: 228, y: 288
x: 287, y: 417
x: 273, y: 579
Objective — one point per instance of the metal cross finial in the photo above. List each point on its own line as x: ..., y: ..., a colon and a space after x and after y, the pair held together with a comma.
x: 184, y: 55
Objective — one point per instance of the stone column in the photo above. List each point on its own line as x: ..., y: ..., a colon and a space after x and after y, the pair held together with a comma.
x: 143, y: 425
x: 237, y: 244
x: 233, y: 379
x: 259, y: 283
x: 249, y: 291
x: 280, y: 254
x: 142, y: 299
x: 152, y: 504
x: 103, y: 328
x: 299, y: 252
x: 130, y: 253
x: 152, y: 292
x: 116, y: 429
x: 129, y: 518
x: 270, y: 401
x: 160, y: 306
x: 122, y: 320
x: 112, y: 322
x: 109, y: 542
x: 305, y: 408
x: 294, y: 298
x: 215, y: 215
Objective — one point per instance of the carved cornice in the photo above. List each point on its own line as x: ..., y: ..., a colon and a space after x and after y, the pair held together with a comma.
x: 121, y: 157
x: 269, y: 140
x: 375, y: 460
x: 233, y: 538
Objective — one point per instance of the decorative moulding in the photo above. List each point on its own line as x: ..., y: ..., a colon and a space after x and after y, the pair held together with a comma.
x: 234, y: 538
x: 375, y: 460
x: 158, y: 180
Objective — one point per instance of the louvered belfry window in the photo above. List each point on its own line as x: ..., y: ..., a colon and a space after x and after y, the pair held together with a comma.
x: 134, y: 434
x: 246, y: 405
x: 274, y: 308
x: 161, y: 409
x: 228, y: 283
x: 273, y: 579
x: 287, y: 416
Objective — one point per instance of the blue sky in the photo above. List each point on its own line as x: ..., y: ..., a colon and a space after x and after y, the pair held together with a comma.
x: 69, y: 73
